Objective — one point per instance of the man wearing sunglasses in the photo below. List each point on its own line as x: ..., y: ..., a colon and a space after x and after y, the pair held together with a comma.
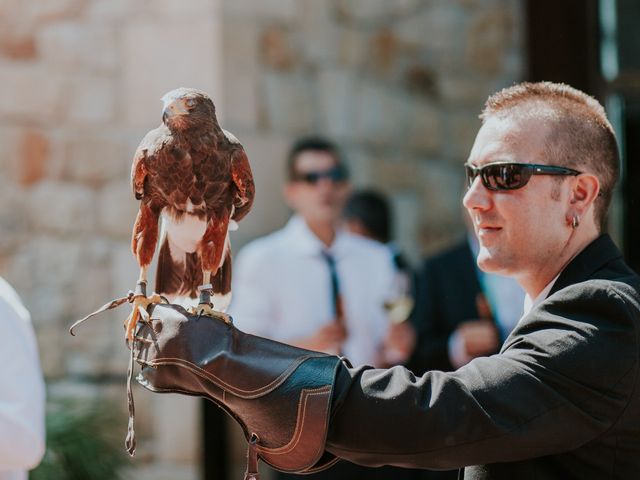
x: 562, y: 398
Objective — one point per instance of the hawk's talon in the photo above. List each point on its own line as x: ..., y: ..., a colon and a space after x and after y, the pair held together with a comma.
x: 140, y: 304
x: 207, y: 309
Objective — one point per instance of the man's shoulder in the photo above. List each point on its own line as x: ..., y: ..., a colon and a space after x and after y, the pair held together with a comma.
x: 588, y: 330
x: 612, y: 279
x: 602, y: 291
x: 598, y: 308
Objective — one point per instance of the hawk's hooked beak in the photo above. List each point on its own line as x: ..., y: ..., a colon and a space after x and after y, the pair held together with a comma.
x: 174, y: 108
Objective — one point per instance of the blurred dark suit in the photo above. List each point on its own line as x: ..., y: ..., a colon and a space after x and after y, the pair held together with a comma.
x: 446, y: 289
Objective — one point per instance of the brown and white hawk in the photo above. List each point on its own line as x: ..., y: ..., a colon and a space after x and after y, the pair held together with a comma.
x: 196, y: 177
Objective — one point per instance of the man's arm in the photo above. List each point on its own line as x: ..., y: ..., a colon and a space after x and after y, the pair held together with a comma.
x: 572, y: 361
x: 22, y: 393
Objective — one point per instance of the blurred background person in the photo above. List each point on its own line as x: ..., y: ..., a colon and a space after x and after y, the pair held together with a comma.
x: 22, y: 394
x: 369, y: 214
x: 313, y: 284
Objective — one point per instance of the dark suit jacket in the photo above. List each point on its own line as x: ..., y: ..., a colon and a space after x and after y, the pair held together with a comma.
x: 445, y: 296
x: 561, y: 400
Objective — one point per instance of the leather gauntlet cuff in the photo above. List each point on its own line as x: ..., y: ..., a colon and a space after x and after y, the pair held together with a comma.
x: 279, y: 394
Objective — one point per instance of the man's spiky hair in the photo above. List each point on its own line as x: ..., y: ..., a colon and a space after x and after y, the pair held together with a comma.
x: 581, y: 135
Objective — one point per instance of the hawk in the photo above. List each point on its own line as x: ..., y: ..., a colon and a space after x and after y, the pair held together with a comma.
x: 194, y: 178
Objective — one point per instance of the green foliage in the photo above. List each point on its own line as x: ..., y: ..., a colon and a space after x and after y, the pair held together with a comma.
x: 83, y: 443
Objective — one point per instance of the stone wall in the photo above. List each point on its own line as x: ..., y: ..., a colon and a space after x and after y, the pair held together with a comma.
x: 81, y: 82
x: 398, y: 83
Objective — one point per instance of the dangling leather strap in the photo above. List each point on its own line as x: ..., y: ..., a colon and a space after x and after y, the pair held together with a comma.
x: 107, y: 306
x: 130, y: 441
x: 252, y: 459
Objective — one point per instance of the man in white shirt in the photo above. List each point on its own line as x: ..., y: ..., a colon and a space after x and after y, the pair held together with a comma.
x: 22, y: 396
x: 282, y: 282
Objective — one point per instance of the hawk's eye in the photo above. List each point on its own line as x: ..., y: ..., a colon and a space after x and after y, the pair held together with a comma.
x: 190, y: 102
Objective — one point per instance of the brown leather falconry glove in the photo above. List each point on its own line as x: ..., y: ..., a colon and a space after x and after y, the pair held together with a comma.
x: 280, y: 395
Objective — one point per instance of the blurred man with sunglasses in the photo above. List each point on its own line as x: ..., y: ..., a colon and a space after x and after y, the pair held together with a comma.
x: 562, y: 398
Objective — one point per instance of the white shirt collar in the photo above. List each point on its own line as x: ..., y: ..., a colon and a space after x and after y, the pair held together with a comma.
x: 530, y: 304
x: 305, y: 241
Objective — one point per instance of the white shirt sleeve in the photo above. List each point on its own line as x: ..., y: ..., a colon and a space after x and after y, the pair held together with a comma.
x: 388, y: 287
x: 22, y: 392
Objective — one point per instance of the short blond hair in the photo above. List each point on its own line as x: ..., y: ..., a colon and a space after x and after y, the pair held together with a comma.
x: 581, y: 135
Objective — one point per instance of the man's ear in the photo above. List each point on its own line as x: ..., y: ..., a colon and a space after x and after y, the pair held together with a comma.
x: 585, y: 189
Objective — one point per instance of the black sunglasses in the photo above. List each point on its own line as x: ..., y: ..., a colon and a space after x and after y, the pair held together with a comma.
x: 335, y: 174
x: 511, y: 176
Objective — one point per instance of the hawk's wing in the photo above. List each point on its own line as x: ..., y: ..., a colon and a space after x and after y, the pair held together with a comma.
x: 138, y: 173
x: 150, y: 144
x: 242, y: 179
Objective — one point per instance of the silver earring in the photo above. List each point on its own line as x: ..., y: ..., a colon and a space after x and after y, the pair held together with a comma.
x: 575, y: 221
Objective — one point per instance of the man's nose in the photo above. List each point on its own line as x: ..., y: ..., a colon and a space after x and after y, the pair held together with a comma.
x: 477, y: 196
x: 325, y: 182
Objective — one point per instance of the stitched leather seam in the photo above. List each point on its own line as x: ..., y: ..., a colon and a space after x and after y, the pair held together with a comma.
x: 297, y: 435
x: 324, y: 466
x: 302, y: 413
x: 172, y: 390
x: 247, y: 394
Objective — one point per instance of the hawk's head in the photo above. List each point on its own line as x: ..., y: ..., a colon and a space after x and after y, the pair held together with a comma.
x: 185, y: 108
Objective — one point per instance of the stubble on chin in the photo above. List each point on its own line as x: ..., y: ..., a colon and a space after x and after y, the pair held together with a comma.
x: 492, y: 260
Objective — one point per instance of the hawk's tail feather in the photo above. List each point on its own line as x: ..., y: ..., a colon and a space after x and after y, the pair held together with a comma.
x: 221, y: 282
x: 169, y: 272
x: 192, y: 278
x: 179, y: 275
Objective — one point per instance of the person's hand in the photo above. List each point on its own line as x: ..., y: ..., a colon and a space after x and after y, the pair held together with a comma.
x: 478, y: 337
x: 327, y: 339
x: 398, y: 344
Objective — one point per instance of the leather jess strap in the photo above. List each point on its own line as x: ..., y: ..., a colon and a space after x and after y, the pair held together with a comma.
x: 130, y: 441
